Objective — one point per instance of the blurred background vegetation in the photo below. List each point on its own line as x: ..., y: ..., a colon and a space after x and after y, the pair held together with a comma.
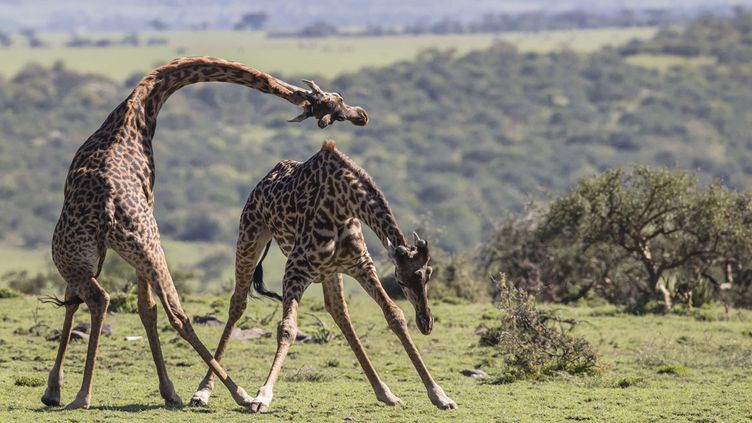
x: 482, y: 129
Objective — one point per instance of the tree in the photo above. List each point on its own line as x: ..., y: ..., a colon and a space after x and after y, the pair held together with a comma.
x: 657, y: 218
x: 32, y: 38
x: 158, y: 25
x: 5, y: 40
x: 253, y: 21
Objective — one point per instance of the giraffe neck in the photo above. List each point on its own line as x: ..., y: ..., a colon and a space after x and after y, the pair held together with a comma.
x: 375, y: 212
x: 144, y: 103
x: 370, y: 205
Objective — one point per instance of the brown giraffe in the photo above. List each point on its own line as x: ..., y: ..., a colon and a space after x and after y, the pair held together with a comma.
x: 109, y: 203
x: 313, y: 210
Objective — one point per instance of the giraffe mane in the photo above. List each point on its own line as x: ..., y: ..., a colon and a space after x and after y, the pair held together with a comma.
x: 363, y: 176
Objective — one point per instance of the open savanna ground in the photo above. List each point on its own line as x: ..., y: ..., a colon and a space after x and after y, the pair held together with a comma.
x: 654, y: 368
x: 327, y: 56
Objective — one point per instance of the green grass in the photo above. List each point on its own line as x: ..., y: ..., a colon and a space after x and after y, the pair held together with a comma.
x: 181, y: 255
x: 713, y: 384
x: 329, y: 56
x: 16, y: 258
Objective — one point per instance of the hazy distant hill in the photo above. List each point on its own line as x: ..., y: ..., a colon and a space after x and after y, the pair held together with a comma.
x: 466, y: 139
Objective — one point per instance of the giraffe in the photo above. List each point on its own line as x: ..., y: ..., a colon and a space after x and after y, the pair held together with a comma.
x: 314, y: 212
x: 109, y: 203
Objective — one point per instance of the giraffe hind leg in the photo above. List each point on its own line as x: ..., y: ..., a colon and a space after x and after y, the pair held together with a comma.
x: 51, y: 396
x: 76, y: 256
x: 97, y: 300
x: 147, y: 257
x: 147, y: 310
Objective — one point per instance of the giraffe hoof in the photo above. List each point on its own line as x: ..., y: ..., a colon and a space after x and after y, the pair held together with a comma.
x: 445, y: 403
x: 51, y: 397
x: 440, y: 399
x: 174, y: 402
x: 258, y: 407
x: 199, y: 399
x: 393, y: 401
x: 241, y: 397
x: 81, y: 401
x: 171, y: 398
x: 387, y: 397
x: 76, y: 404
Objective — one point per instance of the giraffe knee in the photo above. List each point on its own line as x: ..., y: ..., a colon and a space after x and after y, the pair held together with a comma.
x: 396, y: 319
x: 178, y: 319
x: 97, y: 299
x: 287, y: 331
x: 147, y: 310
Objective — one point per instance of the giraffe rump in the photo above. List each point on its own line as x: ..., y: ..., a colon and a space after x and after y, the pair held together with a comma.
x: 258, y: 278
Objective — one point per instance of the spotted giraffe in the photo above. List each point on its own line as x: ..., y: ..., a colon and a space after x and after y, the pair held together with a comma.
x: 109, y: 203
x: 314, y: 212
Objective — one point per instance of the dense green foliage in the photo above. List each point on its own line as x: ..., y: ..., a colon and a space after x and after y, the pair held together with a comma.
x: 467, y: 138
x: 631, y: 238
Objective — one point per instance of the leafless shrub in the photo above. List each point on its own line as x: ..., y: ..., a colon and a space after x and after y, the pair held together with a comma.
x: 535, y: 343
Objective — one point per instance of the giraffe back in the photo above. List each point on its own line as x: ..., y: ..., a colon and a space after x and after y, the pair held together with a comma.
x: 313, y: 204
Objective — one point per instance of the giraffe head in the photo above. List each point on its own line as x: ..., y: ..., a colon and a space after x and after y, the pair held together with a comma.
x: 412, y: 273
x: 329, y: 107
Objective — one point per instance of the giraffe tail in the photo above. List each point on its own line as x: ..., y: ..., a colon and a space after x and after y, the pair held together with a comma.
x: 258, y: 278
x: 52, y: 299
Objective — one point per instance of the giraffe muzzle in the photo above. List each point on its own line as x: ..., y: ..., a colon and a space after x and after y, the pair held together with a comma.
x: 424, y: 321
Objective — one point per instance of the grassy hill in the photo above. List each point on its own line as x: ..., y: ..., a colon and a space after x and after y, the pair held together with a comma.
x: 458, y: 140
x: 326, y: 56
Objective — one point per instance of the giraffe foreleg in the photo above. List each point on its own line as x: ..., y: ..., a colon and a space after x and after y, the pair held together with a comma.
x: 334, y: 301
x: 368, y: 278
x: 179, y: 321
x: 97, y: 300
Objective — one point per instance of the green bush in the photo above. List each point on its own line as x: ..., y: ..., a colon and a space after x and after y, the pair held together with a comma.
x: 124, y: 302
x: 628, y: 381
x: 672, y: 369
x: 27, y: 283
x: 9, y: 293
x: 29, y: 381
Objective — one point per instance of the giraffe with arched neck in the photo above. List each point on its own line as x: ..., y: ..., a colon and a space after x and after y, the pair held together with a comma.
x: 109, y: 203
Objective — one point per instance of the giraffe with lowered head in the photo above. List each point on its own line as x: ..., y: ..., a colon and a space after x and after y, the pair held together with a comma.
x: 314, y: 212
x: 109, y: 203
